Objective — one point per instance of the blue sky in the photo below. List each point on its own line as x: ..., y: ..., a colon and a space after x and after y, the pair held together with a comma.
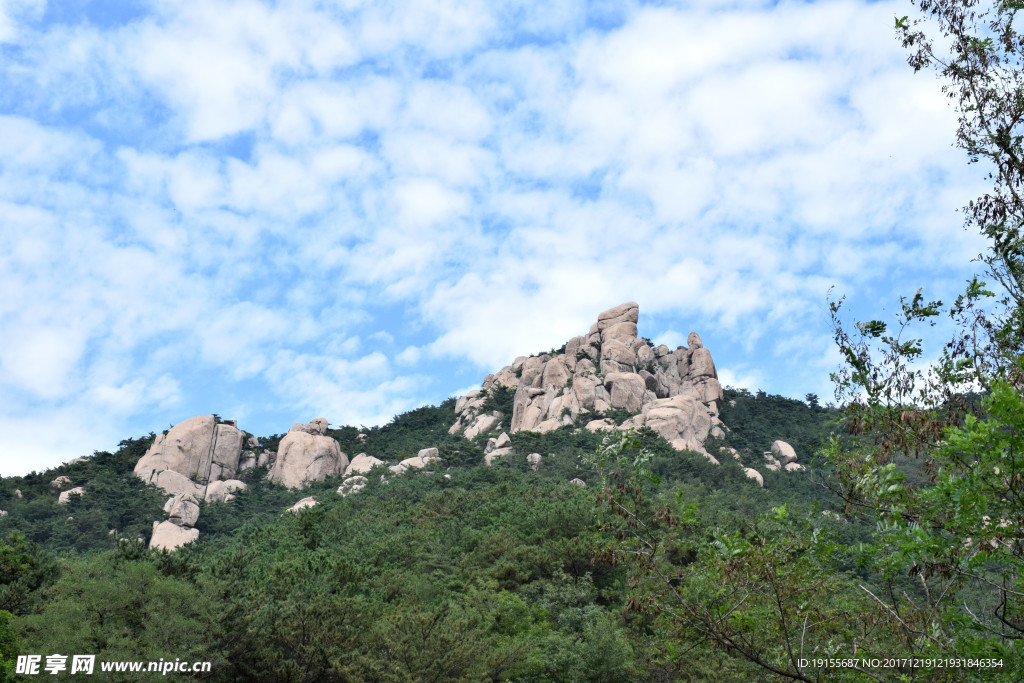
x: 281, y: 210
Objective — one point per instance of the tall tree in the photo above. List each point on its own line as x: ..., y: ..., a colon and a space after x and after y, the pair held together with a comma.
x: 939, y: 470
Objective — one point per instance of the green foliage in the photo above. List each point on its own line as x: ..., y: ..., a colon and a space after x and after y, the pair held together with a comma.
x: 114, y: 500
x: 500, y: 398
x: 935, y: 469
x: 120, y: 610
x: 756, y: 420
x: 9, y: 647
x: 976, y: 49
x: 25, y: 569
x: 404, y: 436
x: 487, y: 574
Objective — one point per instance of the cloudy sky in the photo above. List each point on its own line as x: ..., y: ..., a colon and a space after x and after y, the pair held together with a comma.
x: 280, y: 210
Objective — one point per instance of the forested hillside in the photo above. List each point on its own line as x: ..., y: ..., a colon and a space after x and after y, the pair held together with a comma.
x: 467, y: 572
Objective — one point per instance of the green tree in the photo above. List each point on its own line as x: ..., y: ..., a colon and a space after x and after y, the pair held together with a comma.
x: 737, y: 603
x: 120, y: 609
x: 975, y: 47
x: 9, y: 647
x: 25, y: 568
x: 938, y: 470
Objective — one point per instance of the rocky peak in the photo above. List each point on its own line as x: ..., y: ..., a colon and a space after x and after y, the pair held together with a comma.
x: 676, y: 393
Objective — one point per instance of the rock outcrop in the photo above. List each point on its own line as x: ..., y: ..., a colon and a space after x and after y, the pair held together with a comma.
x: 191, y: 455
x: 306, y: 455
x: 168, y: 536
x: 782, y: 456
x: 676, y: 393
x: 223, y: 491
x: 302, y: 504
x: 60, y: 482
x: 497, y: 447
x: 194, y: 460
x: 425, y: 457
x: 352, y: 485
x: 182, y: 509
x: 362, y: 464
x: 754, y: 474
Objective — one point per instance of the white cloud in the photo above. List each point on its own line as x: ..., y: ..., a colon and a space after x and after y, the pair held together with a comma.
x: 409, y: 356
x: 741, y: 378
x: 222, y: 199
x: 11, y: 11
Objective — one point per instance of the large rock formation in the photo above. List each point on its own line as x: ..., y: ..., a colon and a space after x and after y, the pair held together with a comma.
x: 676, y: 393
x: 191, y: 455
x: 195, y: 460
x: 306, y: 455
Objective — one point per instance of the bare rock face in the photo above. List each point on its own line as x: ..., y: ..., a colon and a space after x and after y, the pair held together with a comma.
x: 623, y: 313
x: 492, y: 457
x: 182, y: 509
x: 199, y: 449
x: 609, y: 367
x: 782, y: 457
x: 362, y: 464
x: 681, y: 420
x: 623, y: 331
x: 616, y: 356
x: 501, y: 441
x: 626, y: 390
x: 305, y: 455
x: 498, y: 448
x: 168, y: 536
x: 65, y: 496
x: 701, y: 364
x: 173, y: 483
x: 483, y: 423
x: 222, y: 491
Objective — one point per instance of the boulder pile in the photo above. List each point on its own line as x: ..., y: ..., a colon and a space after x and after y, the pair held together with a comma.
x: 194, y: 460
x: 673, y: 391
x: 782, y: 457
